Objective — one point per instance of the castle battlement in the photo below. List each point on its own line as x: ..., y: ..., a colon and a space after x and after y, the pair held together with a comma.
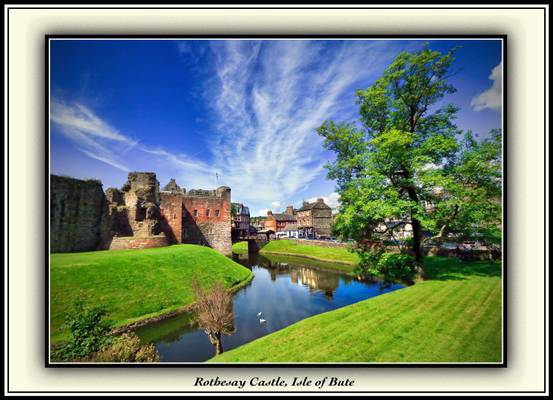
x: 140, y: 210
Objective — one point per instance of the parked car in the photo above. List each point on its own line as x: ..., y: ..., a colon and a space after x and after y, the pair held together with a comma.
x: 469, y: 245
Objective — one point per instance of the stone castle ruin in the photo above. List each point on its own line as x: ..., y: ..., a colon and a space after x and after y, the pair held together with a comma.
x: 139, y: 215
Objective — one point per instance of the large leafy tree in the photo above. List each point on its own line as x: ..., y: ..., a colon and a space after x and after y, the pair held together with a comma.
x: 404, y: 163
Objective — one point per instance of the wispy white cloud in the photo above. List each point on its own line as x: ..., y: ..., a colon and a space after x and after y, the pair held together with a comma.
x: 97, y: 139
x: 90, y: 134
x: 191, y: 52
x: 492, y: 97
x: 80, y: 118
x: 187, y: 169
x: 108, y: 159
x: 269, y: 98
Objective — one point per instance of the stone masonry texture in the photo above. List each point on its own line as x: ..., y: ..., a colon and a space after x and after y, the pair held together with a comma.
x: 171, y: 208
x: 79, y: 218
x: 207, y: 218
x: 138, y: 215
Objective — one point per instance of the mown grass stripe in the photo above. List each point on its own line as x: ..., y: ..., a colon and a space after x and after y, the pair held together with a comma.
x: 453, y: 317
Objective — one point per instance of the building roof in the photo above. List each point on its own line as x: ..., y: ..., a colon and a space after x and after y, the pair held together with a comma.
x: 317, y: 204
x: 284, y: 217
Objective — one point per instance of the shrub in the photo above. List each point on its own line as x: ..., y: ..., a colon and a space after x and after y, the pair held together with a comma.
x: 89, y: 332
x: 91, y: 339
x: 389, y: 267
x: 127, y: 348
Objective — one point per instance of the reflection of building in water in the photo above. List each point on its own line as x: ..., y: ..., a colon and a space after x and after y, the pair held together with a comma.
x: 294, y: 278
x: 315, y: 280
x: 273, y: 273
x: 311, y: 278
x: 276, y: 268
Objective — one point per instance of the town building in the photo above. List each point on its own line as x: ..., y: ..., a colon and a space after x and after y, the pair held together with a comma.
x: 280, y: 222
x: 240, y: 220
x: 258, y: 223
x: 314, y: 220
x: 290, y: 210
x: 399, y: 230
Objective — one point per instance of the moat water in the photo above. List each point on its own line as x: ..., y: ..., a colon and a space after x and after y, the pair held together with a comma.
x: 284, y: 289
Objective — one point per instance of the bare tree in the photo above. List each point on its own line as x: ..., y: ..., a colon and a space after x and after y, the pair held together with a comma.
x: 214, y: 312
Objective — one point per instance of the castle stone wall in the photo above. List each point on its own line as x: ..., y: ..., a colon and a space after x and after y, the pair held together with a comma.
x: 141, y: 197
x: 137, y: 216
x: 132, y: 242
x: 207, y: 218
x: 171, y: 209
x: 79, y: 218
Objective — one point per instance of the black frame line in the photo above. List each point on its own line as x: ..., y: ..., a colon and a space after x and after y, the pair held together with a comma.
x: 49, y: 364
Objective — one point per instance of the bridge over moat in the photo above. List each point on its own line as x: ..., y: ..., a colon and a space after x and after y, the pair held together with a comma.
x: 255, y: 241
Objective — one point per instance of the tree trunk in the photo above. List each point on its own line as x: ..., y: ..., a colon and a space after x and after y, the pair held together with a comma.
x: 417, y: 248
x: 416, y: 225
x: 218, y: 344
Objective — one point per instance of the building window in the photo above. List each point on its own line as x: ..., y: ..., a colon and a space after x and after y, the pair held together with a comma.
x: 217, y: 213
x: 195, y: 213
x: 207, y: 212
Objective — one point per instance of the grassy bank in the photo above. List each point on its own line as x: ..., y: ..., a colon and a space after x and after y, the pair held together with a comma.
x: 290, y: 248
x: 135, y: 284
x: 311, y: 263
x: 453, y: 316
x: 240, y: 248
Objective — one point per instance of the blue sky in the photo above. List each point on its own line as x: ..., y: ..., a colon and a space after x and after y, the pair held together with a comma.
x: 240, y: 113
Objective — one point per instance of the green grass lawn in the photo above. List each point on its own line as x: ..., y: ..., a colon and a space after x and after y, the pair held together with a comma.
x: 455, y: 316
x: 135, y: 284
x: 289, y: 247
x: 240, y: 248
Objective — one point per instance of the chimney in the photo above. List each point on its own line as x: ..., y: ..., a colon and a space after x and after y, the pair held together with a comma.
x: 305, y: 203
x: 320, y: 200
x: 289, y: 210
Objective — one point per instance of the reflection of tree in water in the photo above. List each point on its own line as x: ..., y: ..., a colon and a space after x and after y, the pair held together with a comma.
x: 177, y: 334
x: 347, y: 280
x: 168, y: 330
x: 382, y: 286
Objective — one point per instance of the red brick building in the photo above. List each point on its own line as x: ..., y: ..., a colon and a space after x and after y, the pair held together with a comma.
x: 280, y: 222
x: 172, y: 212
x: 197, y: 216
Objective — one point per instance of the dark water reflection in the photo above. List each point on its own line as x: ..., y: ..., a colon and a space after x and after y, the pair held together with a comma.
x: 284, y: 289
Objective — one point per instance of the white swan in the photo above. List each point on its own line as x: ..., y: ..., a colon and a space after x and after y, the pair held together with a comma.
x: 259, y: 314
x: 262, y: 321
